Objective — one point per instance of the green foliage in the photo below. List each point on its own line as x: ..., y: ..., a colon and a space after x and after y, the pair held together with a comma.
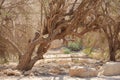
x: 3, y: 61
x: 66, y: 51
x: 75, y: 46
x: 118, y: 54
x: 106, y: 55
x: 87, y: 50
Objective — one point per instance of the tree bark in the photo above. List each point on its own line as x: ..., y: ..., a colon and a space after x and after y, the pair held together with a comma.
x: 25, y: 59
x: 112, y: 55
x: 56, y: 27
x: 112, y: 51
x: 26, y: 62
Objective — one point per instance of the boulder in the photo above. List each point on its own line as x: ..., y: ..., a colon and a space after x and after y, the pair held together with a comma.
x: 57, y: 56
x: 2, y: 73
x: 84, y: 60
x: 82, y: 71
x: 79, y: 55
x: 28, y: 73
x: 55, y: 71
x: 59, y: 60
x: 110, y: 69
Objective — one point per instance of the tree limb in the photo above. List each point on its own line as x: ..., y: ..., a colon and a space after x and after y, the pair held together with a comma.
x: 1, y: 3
x: 15, y: 46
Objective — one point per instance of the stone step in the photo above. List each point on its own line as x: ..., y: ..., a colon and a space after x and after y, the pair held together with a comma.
x: 110, y: 69
x: 73, y: 55
x: 82, y: 71
x: 68, y: 60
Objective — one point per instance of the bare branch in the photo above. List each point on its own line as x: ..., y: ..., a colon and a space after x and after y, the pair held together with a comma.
x: 2, y: 2
x: 20, y: 53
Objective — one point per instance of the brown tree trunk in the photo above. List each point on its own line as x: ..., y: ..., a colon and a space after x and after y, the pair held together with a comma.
x: 26, y: 62
x: 25, y: 59
x: 112, y: 55
x: 112, y: 51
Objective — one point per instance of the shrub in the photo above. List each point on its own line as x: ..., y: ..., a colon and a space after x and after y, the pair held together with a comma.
x: 75, y: 46
x: 87, y: 50
x: 66, y: 51
x: 3, y: 61
x: 118, y: 54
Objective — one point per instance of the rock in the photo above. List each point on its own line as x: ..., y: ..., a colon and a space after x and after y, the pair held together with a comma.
x: 79, y: 55
x: 59, y: 60
x: 2, y: 73
x: 84, y: 61
x: 57, y: 56
x: 66, y: 66
x: 55, y: 71
x: 49, y: 56
x: 28, y: 73
x: 11, y: 72
x: 110, y: 69
x: 63, y: 61
x: 81, y: 71
x: 12, y: 64
x: 39, y: 62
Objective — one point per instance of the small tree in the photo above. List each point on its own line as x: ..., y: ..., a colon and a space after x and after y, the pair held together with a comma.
x: 112, y: 33
x: 56, y: 26
x: 110, y: 24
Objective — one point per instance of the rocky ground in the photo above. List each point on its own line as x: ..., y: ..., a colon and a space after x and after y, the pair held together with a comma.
x: 58, y: 66
x: 58, y: 77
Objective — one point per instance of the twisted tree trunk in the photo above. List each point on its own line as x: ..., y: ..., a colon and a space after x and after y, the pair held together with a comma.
x: 3, y: 45
x: 26, y: 62
x: 57, y: 27
x: 112, y: 53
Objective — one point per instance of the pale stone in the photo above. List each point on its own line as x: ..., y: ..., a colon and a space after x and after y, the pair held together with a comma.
x: 1, y: 73
x: 110, y: 69
x: 59, y: 60
x: 12, y: 64
x: 28, y: 73
x: 64, y: 61
x: 84, y: 60
x: 73, y: 55
x: 63, y: 56
x: 56, y: 56
x: 55, y: 71
x: 81, y: 71
x: 10, y: 72
x: 49, y: 56
x: 79, y: 55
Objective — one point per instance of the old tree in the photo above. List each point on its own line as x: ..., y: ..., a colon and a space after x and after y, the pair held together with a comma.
x: 60, y: 18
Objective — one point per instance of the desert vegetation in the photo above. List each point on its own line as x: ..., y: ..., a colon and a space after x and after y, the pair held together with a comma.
x: 28, y: 28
